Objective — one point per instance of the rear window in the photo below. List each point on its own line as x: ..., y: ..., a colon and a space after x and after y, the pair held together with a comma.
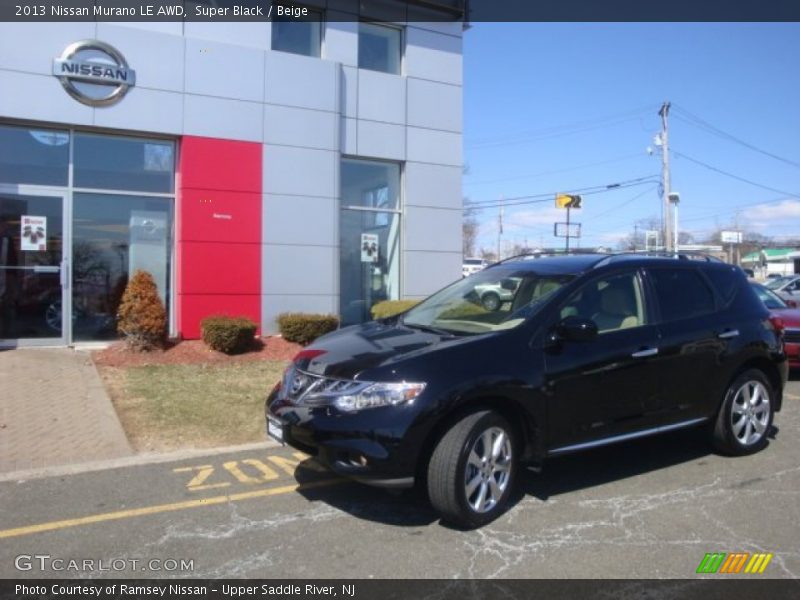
x: 682, y: 293
x: 725, y: 281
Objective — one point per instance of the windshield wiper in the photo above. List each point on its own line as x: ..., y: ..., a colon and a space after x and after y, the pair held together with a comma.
x: 430, y: 329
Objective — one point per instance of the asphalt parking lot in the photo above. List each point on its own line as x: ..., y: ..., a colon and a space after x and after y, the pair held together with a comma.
x: 650, y: 508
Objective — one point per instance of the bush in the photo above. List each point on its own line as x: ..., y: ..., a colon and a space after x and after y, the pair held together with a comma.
x: 142, y: 320
x: 390, y: 308
x: 231, y: 335
x: 304, y: 328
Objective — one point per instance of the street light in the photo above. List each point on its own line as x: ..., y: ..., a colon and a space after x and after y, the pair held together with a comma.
x: 675, y: 199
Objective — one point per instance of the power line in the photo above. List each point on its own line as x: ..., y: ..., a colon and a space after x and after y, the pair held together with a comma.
x: 557, y: 131
x: 628, y: 201
x: 556, y: 171
x: 549, y: 196
x: 718, y: 170
x: 705, y: 125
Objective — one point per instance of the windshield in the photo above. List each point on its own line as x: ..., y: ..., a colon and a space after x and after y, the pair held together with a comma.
x: 770, y: 299
x: 777, y: 282
x: 491, y: 300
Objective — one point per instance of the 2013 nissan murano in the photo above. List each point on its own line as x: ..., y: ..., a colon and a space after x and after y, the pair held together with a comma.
x: 585, y: 350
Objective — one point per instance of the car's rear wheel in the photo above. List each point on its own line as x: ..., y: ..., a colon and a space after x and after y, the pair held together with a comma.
x: 472, y: 469
x: 745, y: 416
x: 491, y: 301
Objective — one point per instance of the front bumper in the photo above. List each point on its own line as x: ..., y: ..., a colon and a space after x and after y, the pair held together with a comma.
x: 375, y: 446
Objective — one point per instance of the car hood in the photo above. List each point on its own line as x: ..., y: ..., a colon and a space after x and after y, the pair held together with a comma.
x: 347, y: 353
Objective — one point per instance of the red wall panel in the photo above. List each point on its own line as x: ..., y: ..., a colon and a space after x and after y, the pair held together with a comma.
x: 221, y: 216
x: 220, y: 268
x: 218, y: 231
x: 208, y: 163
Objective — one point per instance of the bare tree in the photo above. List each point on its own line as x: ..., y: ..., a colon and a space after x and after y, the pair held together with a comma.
x: 469, y: 231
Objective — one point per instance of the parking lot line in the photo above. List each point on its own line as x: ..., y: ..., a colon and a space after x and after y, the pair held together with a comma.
x: 162, y: 508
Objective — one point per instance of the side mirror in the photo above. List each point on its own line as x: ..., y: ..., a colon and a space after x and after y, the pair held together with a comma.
x: 791, y: 303
x: 577, y: 329
x: 508, y: 284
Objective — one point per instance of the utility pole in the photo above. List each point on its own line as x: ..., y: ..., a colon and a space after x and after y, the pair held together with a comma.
x: 567, y: 238
x: 635, y: 235
x: 665, y: 179
x: 499, y: 227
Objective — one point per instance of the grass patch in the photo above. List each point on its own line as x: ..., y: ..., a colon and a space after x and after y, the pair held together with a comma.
x: 165, y: 407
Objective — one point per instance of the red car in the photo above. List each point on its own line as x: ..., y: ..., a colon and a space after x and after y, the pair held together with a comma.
x: 788, y: 312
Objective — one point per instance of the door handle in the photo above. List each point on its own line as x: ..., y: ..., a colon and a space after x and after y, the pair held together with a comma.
x: 726, y: 335
x: 64, y: 275
x: 645, y: 353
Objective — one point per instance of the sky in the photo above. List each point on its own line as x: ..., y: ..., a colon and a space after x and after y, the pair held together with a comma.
x: 557, y: 107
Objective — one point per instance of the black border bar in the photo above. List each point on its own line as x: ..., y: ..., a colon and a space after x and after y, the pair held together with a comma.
x: 705, y: 588
x: 406, y: 10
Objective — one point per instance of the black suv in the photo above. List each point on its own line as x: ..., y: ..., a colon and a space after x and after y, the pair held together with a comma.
x: 586, y: 350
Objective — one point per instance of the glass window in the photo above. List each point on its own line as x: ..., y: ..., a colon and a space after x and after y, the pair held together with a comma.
x: 369, y: 260
x: 118, y: 163
x: 491, y: 300
x: 681, y: 293
x: 39, y: 156
x: 379, y: 48
x: 113, y: 236
x: 613, y: 303
x: 299, y: 35
x: 770, y: 299
x: 725, y: 280
x: 370, y: 184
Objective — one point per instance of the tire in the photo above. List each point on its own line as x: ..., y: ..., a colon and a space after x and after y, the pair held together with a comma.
x: 491, y: 301
x: 745, y: 417
x: 463, y: 467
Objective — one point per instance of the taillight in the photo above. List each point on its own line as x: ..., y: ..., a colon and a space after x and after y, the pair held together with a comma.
x: 777, y: 324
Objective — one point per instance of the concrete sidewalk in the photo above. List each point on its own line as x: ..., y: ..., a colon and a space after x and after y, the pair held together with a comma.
x: 55, y: 411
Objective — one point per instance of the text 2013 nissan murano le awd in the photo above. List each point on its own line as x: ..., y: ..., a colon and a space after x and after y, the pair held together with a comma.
x: 583, y: 351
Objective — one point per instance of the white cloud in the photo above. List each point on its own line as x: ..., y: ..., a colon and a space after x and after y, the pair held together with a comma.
x: 762, y: 215
x: 535, y: 217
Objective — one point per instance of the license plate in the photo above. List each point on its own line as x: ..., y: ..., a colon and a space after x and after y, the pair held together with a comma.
x: 275, y: 429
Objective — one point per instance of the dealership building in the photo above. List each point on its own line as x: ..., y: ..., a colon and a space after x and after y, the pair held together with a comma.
x: 253, y: 168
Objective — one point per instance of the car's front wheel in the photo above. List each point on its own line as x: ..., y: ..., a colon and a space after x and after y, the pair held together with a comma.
x: 745, y: 417
x: 472, y: 469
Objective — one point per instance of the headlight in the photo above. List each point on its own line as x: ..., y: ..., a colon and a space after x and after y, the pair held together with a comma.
x: 378, y: 394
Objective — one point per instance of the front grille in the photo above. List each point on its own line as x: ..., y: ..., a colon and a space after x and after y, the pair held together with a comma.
x: 303, y: 388
x: 792, y: 336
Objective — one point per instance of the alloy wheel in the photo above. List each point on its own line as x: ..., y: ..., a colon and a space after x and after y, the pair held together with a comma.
x: 750, y: 412
x: 488, y: 469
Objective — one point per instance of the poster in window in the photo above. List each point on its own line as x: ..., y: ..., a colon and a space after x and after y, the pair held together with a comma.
x: 33, y: 233
x: 369, y: 248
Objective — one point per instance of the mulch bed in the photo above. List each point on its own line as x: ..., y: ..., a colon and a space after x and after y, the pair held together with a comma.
x: 189, y: 352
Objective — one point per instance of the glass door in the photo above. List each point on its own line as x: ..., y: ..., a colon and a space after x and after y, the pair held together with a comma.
x: 33, y: 275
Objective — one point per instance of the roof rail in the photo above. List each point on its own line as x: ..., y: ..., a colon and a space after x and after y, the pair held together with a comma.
x: 535, y: 255
x: 679, y: 255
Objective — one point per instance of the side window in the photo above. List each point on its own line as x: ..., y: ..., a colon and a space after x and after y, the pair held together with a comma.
x: 681, y: 293
x: 613, y: 303
x: 298, y: 35
x: 725, y: 281
x: 379, y: 48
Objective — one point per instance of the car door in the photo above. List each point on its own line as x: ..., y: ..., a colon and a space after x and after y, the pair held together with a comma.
x: 607, y: 386
x: 693, y: 339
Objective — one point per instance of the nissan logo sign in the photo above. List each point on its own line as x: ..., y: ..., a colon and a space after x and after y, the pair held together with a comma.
x: 94, y: 73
